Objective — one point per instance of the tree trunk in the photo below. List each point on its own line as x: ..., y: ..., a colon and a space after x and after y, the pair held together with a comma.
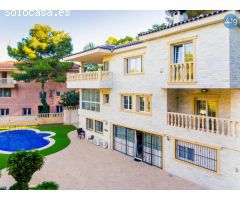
x: 43, y: 99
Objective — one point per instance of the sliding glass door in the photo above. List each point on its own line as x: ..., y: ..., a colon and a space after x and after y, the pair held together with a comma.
x: 207, y: 108
x: 152, y: 149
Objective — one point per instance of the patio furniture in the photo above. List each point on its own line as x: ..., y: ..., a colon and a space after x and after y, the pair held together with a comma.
x: 81, y: 133
x: 96, y: 141
x: 91, y: 138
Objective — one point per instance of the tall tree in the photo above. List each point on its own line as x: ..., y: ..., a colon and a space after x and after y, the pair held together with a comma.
x: 39, y: 56
x: 194, y: 13
x: 70, y: 98
x: 190, y: 13
x: 155, y: 27
x: 111, y: 41
x: 114, y: 41
x: 89, y: 46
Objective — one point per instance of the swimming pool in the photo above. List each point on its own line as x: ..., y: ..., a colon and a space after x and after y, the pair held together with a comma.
x: 24, y: 140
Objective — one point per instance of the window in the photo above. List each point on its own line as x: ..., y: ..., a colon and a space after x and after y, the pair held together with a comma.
x: 190, y: 154
x: 183, y: 53
x: 127, y: 102
x: 133, y: 65
x: 106, y: 66
x: 4, y: 111
x: 182, y: 151
x: 26, y: 111
x: 89, y: 124
x: 186, y: 153
x: 106, y: 98
x: 98, y: 126
x: 91, y: 99
x: 58, y: 94
x: 141, y: 106
x: 199, y: 155
x: 5, y: 92
x: 143, y: 103
x: 59, y: 108
x: 4, y: 75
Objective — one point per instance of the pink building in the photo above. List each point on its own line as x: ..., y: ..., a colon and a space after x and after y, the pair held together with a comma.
x: 18, y: 98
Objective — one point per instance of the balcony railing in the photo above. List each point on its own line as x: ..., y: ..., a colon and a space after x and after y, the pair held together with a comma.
x: 7, y: 81
x: 182, y: 72
x: 213, y: 125
x: 90, y: 76
x: 43, y: 118
x: 50, y: 115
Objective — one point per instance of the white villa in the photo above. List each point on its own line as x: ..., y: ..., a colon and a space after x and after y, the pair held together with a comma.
x: 171, y: 99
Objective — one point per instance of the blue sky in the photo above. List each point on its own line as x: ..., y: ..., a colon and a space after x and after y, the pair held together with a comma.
x: 83, y: 26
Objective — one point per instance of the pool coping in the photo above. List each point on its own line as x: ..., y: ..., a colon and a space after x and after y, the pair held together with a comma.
x: 49, y: 138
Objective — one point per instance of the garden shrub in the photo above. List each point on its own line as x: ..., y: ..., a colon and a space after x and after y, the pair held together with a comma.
x: 47, y: 185
x: 15, y: 186
x: 22, y: 165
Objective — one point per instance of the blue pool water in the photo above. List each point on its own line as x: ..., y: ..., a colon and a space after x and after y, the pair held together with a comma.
x: 22, y: 140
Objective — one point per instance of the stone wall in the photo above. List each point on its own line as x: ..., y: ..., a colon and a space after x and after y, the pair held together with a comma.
x: 30, y: 120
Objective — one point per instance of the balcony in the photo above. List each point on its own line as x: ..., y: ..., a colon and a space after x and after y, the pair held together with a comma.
x: 7, y: 83
x: 96, y: 79
x: 212, y: 125
x: 180, y: 73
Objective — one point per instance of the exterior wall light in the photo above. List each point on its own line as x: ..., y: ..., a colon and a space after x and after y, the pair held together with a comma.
x: 204, y: 91
x: 168, y: 138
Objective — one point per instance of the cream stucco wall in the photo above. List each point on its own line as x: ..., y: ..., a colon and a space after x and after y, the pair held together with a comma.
x: 212, y: 72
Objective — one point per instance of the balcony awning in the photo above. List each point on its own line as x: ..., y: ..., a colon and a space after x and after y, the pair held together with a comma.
x: 91, y: 56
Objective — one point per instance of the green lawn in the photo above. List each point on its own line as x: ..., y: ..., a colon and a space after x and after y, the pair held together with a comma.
x: 61, y: 140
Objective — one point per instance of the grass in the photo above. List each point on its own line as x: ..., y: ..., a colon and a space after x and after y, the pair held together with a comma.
x: 61, y: 140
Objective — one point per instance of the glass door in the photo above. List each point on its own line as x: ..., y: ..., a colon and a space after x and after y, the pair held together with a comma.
x: 206, y: 108
x: 139, y: 145
x: 152, y: 149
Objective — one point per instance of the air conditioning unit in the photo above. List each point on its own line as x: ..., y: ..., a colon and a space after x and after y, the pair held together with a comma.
x: 104, y: 144
x: 96, y: 141
x: 101, y: 142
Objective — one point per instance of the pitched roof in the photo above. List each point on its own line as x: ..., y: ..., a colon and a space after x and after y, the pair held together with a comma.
x: 183, y: 22
x: 111, y: 48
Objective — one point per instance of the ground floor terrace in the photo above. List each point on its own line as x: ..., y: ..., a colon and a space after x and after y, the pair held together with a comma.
x: 83, y: 165
x: 208, y: 159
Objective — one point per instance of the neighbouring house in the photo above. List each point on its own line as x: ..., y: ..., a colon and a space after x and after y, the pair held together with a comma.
x: 171, y: 99
x: 18, y: 98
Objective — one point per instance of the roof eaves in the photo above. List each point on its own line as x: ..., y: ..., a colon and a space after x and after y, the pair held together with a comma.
x: 98, y: 47
x: 128, y: 44
x: 182, y: 22
x: 108, y: 47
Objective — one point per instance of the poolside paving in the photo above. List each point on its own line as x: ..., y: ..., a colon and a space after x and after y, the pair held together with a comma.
x: 82, y: 165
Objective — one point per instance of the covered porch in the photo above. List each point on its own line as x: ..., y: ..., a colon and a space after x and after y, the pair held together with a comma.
x: 100, y: 77
x: 213, y: 111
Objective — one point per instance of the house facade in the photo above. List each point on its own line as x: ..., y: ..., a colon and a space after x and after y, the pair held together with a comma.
x: 170, y: 99
x: 23, y: 99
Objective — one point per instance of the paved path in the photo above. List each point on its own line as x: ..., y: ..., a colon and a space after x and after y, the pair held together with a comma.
x: 83, y: 165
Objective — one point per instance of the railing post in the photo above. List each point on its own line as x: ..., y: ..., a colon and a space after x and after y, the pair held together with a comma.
x: 229, y: 128
x: 99, y: 74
